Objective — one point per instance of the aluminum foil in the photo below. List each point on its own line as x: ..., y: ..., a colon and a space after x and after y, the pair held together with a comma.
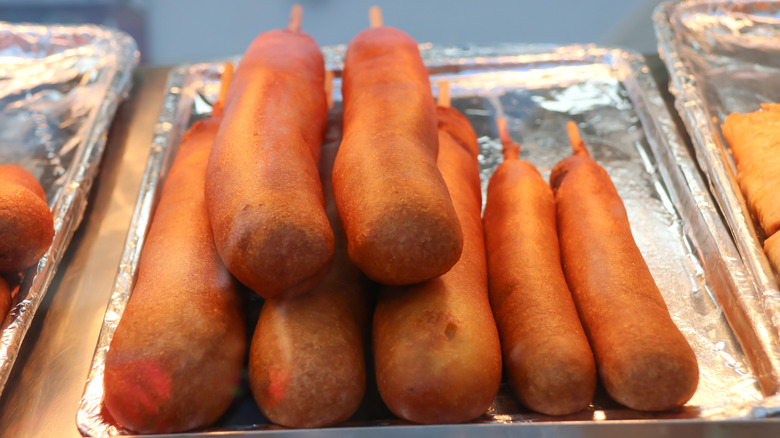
x: 720, y: 59
x: 623, y: 119
x: 59, y: 89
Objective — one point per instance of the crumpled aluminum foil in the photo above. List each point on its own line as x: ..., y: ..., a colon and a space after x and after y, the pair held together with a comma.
x: 59, y: 89
x: 628, y: 129
x: 722, y: 58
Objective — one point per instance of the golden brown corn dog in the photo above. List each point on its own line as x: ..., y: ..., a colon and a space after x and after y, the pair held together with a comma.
x: 436, y: 347
x: 176, y: 358
x: 642, y: 358
x: 546, y: 355
x: 263, y: 191
x: 400, y: 223
x: 26, y: 223
x: 307, y: 361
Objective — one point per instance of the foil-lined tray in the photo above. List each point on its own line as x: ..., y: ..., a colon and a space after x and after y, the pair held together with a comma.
x: 59, y: 89
x: 722, y: 57
x: 623, y: 119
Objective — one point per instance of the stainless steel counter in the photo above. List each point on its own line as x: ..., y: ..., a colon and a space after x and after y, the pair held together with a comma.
x: 42, y: 394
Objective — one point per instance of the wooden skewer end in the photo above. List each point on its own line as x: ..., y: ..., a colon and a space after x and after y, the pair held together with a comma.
x: 329, y: 88
x: 510, y: 150
x: 375, y: 16
x: 227, y: 77
x: 443, y: 99
x: 577, y: 145
x: 296, y: 17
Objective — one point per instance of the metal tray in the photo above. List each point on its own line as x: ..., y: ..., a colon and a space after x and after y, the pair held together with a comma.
x: 59, y: 89
x: 612, y: 96
x: 721, y: 58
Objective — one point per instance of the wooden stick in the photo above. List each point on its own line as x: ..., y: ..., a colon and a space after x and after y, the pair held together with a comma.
x: 510, y: 150
x: 443, y: 99
x: 375, y: 16
x: 577, y: 145
x: 227, y: 77
x: 296, y: 16
x: 329, y: 87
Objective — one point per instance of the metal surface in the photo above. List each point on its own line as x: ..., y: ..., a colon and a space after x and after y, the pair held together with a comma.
x: 721, y: 59
x: 60, y: 86
x: 611, y: 94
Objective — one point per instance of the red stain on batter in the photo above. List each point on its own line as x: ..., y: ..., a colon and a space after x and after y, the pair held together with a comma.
x: 158, y: 382
x: 277, y: 386
x: 146, y: 386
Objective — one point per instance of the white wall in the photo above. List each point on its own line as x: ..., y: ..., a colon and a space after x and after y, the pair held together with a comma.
x: 178, y: 31
x: 192, y: 30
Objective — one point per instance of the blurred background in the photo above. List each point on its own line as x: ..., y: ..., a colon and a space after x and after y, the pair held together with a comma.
x: 172, y: 32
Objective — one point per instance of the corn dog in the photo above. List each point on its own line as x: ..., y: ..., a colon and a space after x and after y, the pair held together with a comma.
x: 263, y: 190
x: 26, y: 223
x: 307, y: 360
x: 643, y: 360
x: 176, y: 358
x: 436, y: 347
x: 397, y: 213
x: 546, y: 354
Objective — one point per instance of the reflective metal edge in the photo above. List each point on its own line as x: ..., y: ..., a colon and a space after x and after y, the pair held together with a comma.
x: 70, y: 203
x: 752, y: 311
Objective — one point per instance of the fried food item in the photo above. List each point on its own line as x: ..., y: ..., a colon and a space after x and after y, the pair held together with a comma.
x: 643, y: 360
x: 307, y: 363
x: 176, y: 358
x: 547, y: 358
x: 436, y: 346
x: 400, y: 222
x: 263, y: 191
x: 26, y: 223
x: 754, y: 139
